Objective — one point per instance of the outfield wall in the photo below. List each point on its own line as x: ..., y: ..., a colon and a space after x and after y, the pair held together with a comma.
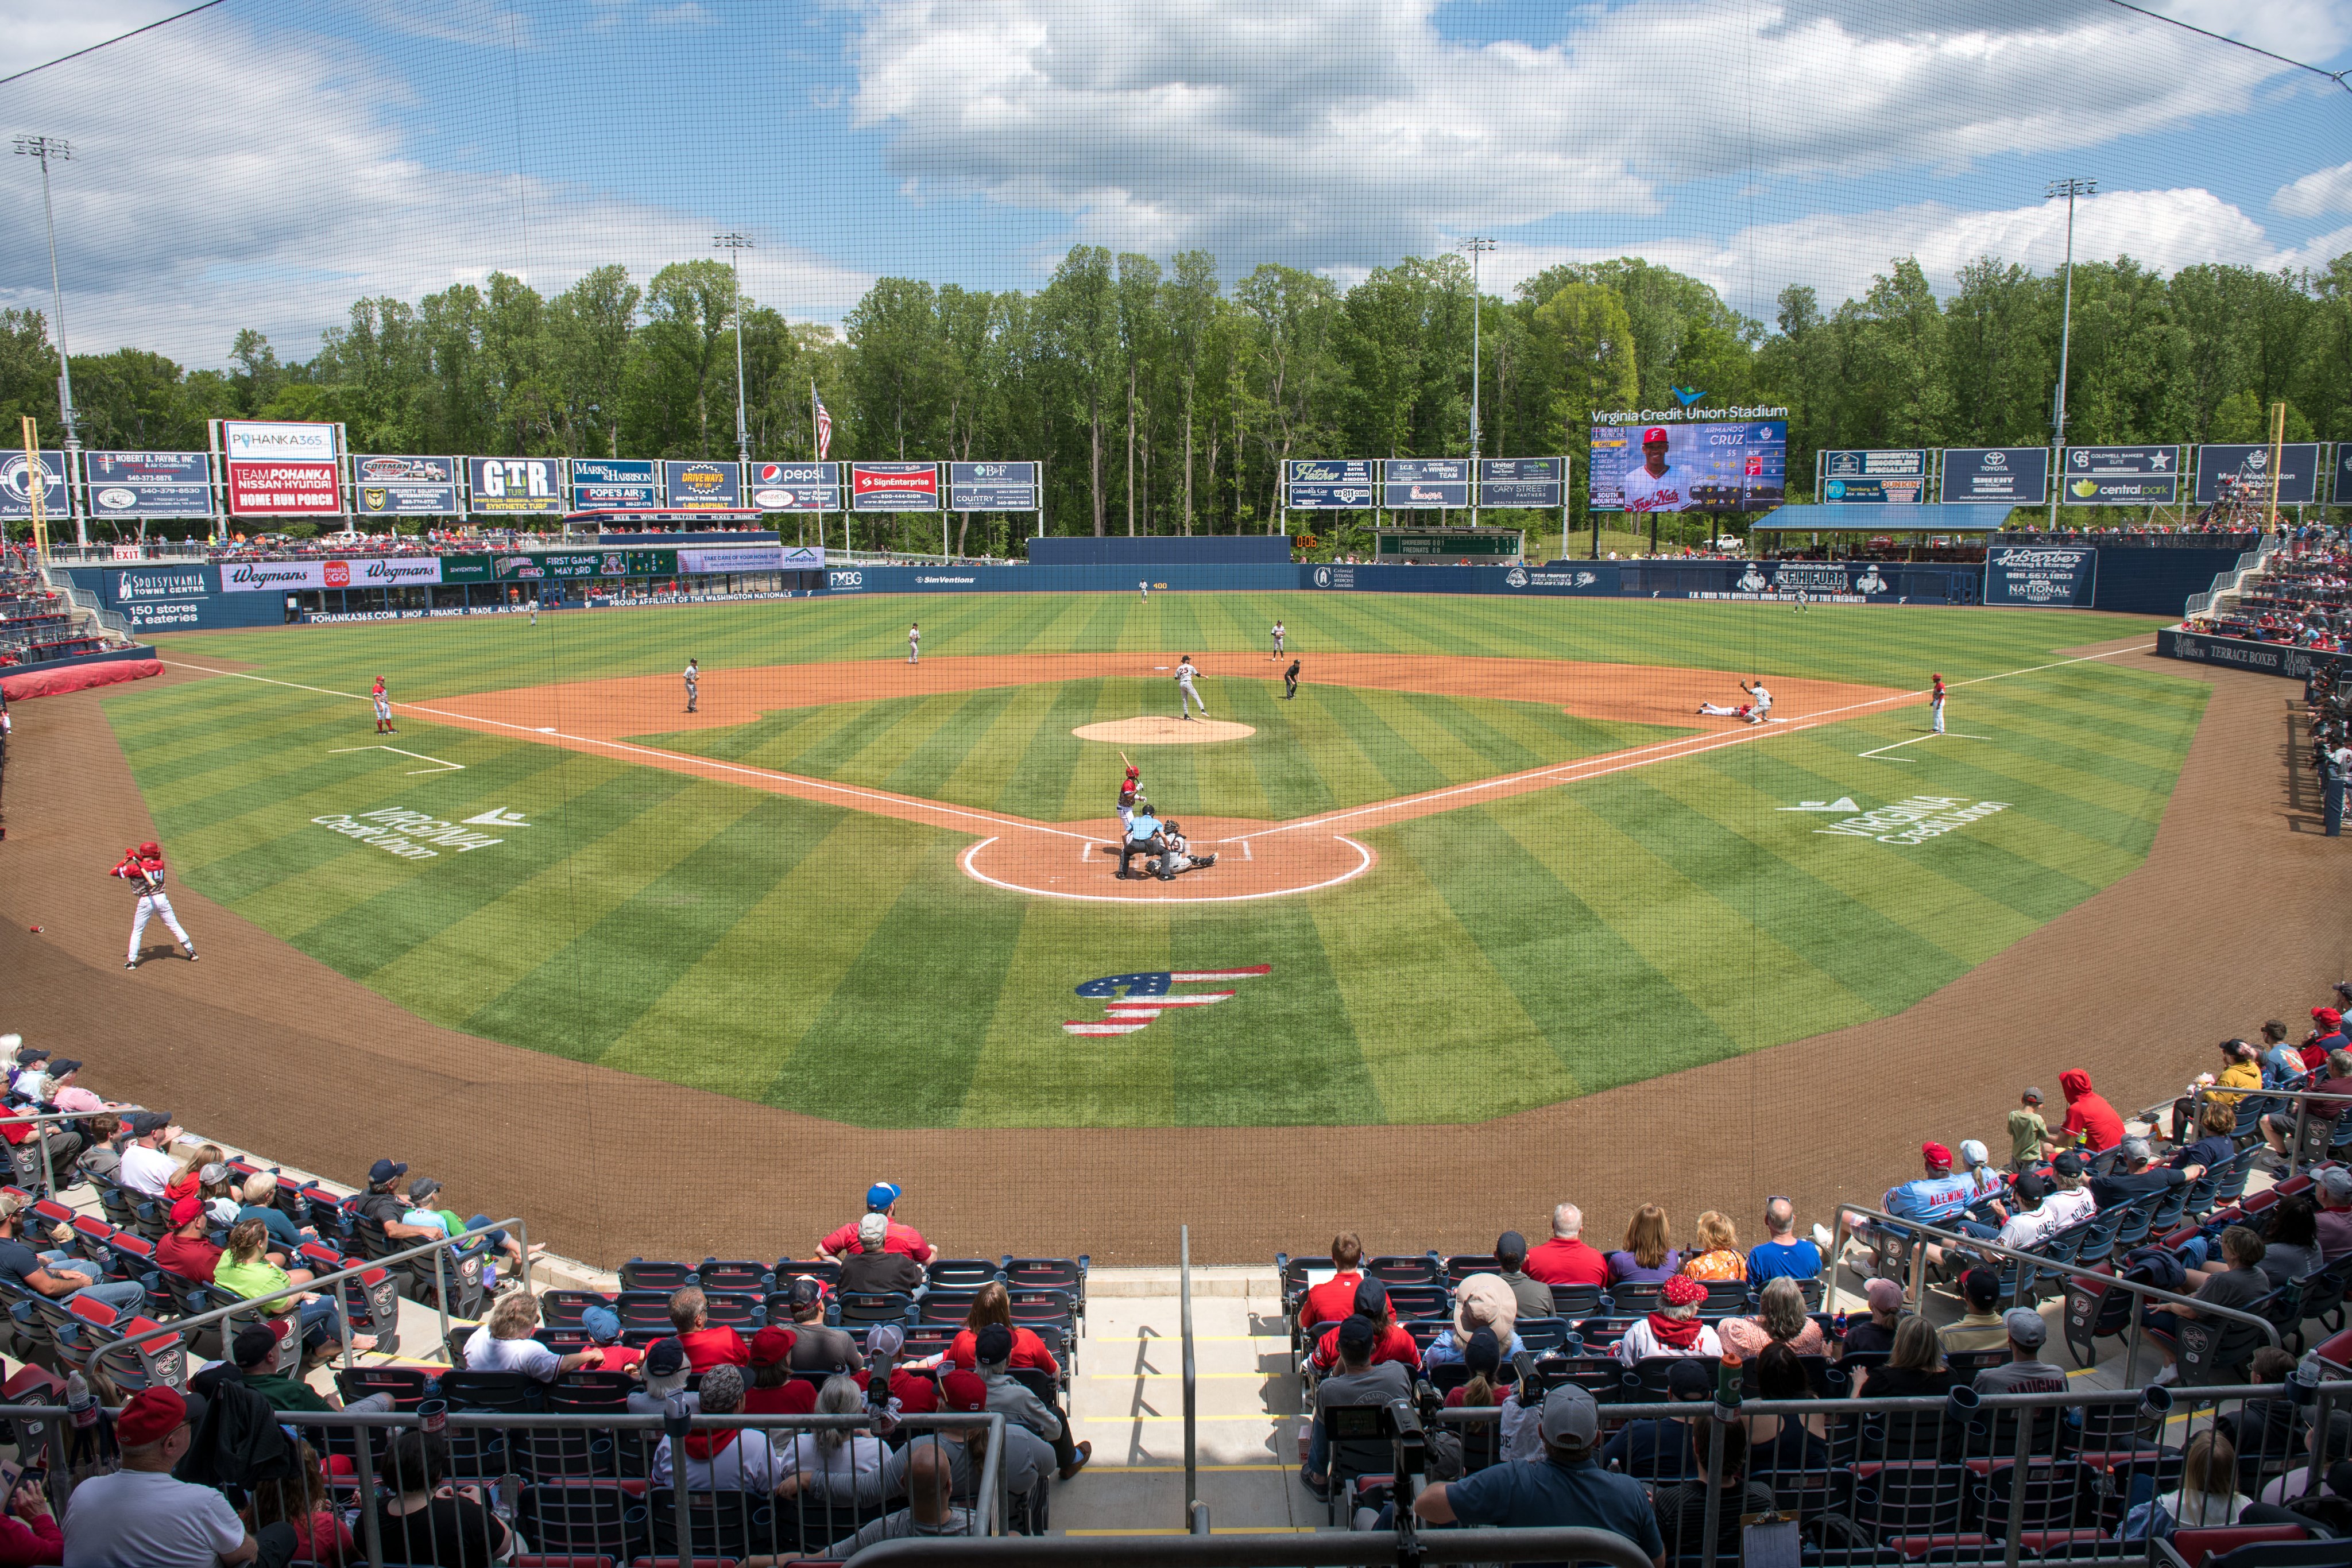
x: 156, y: 597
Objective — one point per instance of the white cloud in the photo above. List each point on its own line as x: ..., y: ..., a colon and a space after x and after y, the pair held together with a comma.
x: 277, y: 204
x: 1331, y: 132
x: 1839, y: 253
x: 2321, y: 192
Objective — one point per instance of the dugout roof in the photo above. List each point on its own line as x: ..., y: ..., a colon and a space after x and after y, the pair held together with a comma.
x: 1886, y: 518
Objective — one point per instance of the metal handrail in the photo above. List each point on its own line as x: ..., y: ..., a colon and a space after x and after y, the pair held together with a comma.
x: 246, y: 1304
x: 1184, y: 1311
x: 1353, y: 1549
x: 48, y: 1172
x: 2302, y: 1098
x: 1917, y: 1291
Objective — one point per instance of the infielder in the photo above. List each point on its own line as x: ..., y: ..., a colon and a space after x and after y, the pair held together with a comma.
x: 693, y: 684
x: 1755, y: 710
x: 915, y: 643
x: 1936, y: 703
x: 142, y: 868
x: 1185, y: 695
x: 1277, y: 641
x: 383, y: 708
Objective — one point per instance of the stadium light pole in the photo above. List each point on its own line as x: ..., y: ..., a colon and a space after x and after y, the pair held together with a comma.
x: 46, y: 148
x: 735, y: 245
x: 2070, y: 188
x: 1477, y: 245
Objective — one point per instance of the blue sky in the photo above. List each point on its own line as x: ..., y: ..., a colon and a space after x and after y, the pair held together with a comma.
x: 264, y: 162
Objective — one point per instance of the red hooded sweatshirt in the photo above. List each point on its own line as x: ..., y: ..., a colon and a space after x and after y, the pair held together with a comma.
x: 2088, y: 1114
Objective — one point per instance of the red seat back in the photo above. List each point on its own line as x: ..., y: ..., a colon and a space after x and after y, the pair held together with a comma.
x: 2196, y: 1545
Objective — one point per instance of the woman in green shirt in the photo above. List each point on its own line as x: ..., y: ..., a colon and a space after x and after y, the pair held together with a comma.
x: 245, y: 1269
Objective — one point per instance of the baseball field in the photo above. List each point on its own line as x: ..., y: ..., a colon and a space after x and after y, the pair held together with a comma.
x: 1489, y: 858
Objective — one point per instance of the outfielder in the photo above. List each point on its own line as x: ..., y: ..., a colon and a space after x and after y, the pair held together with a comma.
x: 1277, y: 641
x: 142, y: 868
x: 1144, y: 589
x: 915, y: 643
x: 693, y: 684
x: 1185, y: 695
x: 1935, y: 701
x: 383, y: 708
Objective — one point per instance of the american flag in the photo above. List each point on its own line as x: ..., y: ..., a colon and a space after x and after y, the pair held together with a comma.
x: 824, y: 424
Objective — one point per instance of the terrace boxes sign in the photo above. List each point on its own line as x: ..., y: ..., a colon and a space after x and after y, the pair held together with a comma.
x: 278, y: 469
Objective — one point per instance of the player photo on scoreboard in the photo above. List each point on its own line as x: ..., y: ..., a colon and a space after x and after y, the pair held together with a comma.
x: 1689, y: 467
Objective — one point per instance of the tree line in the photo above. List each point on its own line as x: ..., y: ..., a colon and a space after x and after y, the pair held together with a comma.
x: 1163, y: 400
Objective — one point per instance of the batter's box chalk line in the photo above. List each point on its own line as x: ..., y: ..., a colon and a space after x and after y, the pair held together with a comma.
x: 1148, y: 996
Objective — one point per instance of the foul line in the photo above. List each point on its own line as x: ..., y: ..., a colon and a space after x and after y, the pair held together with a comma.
x: 1363, y: 864
x: 453, y: 767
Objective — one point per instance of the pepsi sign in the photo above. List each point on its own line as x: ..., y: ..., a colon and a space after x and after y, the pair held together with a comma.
x: 796, y: 486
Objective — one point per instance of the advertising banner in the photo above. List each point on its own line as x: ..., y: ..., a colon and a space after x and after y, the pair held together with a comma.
x: 385, y: 485
x: 1328, y: 484
x: 735, y: 558
x: 465, y: 569
x: 296, y: 576
x: 1441, y: 547
x: 277, y: 469
x: 1522, y: 481
x: 992, y: 486
x: 2010, y: 476
x: 17, y: 490
x: 1897, y: 475
x: 894, y: 487
x: 163, y: 597
x: 613, y: 484
x: 2041, y: 578
x: 1706, y: 466
x: 148, y: 483
x: 703, y: 487
x: 2119, y: 477
x: 1414, y: 483
x: 511, y: 486
x: 2298, y: 473
x: 558, y: 565
x: 796, y: 486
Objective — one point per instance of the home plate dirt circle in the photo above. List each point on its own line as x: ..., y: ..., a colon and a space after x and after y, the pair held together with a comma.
x: 1159, y: 730
x: 1255, y: 860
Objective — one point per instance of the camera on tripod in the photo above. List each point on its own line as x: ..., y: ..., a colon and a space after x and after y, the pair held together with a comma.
x: 1397, y: 1423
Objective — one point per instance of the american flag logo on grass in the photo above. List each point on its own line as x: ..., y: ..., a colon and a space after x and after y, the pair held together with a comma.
x: 1147, y: 994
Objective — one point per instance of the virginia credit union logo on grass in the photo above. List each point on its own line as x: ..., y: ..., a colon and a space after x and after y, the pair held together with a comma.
x: 1148, y: 996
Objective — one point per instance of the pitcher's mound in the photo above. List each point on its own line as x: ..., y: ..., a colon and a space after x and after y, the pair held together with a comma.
x: 1161, y: 730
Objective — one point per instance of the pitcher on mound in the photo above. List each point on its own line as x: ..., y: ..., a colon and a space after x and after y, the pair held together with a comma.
x: 1185, y: 695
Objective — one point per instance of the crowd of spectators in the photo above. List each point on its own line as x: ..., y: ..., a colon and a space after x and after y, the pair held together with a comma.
x: 2302, y: 596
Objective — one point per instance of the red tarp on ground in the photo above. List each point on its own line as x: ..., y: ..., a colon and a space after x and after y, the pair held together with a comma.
x: 37, y: 682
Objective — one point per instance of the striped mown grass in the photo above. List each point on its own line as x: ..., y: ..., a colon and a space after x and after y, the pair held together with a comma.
x: 1501, y: 955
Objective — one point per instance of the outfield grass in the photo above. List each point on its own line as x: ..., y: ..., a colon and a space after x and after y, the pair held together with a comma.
x: 1009, y: 748
x: 1500, y: 956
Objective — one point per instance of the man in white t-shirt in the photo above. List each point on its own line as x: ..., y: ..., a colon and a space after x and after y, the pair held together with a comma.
x: 147, y: 1165
x: 140, y: 1514
x: 1657, y: 485
x: 504, y: 1342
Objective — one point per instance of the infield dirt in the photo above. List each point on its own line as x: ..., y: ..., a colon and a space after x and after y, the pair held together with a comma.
x: 2235, y: 916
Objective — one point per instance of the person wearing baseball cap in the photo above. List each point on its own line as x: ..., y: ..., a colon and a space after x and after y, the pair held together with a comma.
x: 146, y: 1164
x: 1567, y: 1491
x: 993, y: 1353
x: 2029, y: 1135
x: 55, y: 1272
x: 186, y: 1250
x: 140, y: 1514
x: 1359, y: 1380
x: 774, y: 1390
x: 1657, y: 485
x: 1393, y: 1341
x: 1937, y: 1199
x: 2026, y: 1372
x: 881, y: 1199
x: 2326, y: 1035
x: 816, y: 1347
x: 387, y: 1205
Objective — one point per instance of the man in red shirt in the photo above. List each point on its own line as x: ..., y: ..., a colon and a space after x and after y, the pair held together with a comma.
x: 1565, y: 1259
x: 1393, y: 1345
x: 881, y: 1199
x: 2326, y: 1034
x: 704, y: 1346
x: 774, y: 1390
x: 183, y: 1250
x: 2091, y: 1121
x: 1335, y: 1298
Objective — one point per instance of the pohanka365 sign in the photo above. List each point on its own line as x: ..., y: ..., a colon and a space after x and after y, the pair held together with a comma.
x: 281, y: 469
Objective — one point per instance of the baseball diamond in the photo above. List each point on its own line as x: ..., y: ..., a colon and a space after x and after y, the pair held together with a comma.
x: 848, y: 861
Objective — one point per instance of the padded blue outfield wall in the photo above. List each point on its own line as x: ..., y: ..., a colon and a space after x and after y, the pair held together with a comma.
x: 160, y: 597
x: 1161, y: 550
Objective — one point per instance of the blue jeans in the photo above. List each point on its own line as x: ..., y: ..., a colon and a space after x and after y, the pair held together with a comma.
x: 123, y: 1295
x: 321, y: 1324
x: 495, y: 1241
x: 1318, y: 1450
x: 1976, y: 1228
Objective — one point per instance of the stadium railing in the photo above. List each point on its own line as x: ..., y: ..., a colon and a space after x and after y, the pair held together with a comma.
x: 24, y: 1167
x: 2313, y: 1140
x: 141, y: 1355
x: 573, y: 1485
x: 2086, y: 1290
